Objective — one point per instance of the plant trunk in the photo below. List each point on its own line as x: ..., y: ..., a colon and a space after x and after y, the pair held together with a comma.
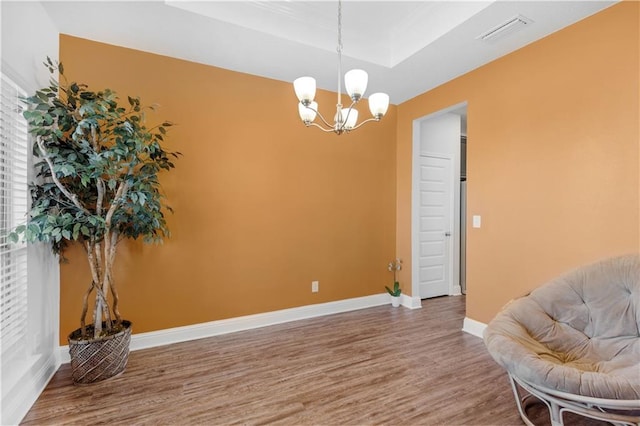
x: 112, y: 283
x: 100, y: 256
x: 98, y: 308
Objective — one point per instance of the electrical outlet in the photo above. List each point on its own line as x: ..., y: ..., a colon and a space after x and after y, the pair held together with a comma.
x: 314, y: 286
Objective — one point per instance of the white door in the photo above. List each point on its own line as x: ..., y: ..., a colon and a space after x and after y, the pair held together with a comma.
x: 434, y: 227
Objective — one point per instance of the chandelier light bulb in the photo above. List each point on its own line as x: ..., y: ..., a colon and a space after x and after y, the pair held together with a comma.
x: 305, y: 88
x: 355, y: 81
x: 351, y: 117
x: 378, y: 104
x: 308, y: 113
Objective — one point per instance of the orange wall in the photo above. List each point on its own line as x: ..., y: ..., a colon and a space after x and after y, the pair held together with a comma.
x: 263, y: 205
x: 264, y: 208
x: 553, y: 157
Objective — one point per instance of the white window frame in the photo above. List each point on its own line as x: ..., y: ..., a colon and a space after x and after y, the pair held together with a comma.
x: 13, y: 208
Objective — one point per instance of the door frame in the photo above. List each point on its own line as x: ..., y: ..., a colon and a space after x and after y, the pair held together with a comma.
x: 454, y: 248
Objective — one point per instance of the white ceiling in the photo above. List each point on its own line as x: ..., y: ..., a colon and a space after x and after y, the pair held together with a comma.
x: 384, y: 33
x: 407, y: 47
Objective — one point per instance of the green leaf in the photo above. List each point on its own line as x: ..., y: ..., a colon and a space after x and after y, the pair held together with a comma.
x: 85, y: 231
x: 76, y: 231
x: 29, y: 115
x: 396, y: 289
x: 88, y: 96
x: 86, y: 109
x: 13, y: 237
x: 66, y: 234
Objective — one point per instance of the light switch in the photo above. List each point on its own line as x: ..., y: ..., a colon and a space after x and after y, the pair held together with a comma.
x: 476, y: 221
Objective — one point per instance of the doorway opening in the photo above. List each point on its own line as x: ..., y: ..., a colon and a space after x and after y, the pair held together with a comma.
x: 438, y: 235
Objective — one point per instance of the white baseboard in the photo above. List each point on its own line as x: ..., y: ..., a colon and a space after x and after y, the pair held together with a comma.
x: 17, y: 402
x: 215, y: 328
x: 411, y: 302
x: 457, y: 290
x: 473, y: 327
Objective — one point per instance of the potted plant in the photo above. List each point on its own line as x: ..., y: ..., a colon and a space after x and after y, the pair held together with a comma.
x: 97, y: 183
x: 396, y: 292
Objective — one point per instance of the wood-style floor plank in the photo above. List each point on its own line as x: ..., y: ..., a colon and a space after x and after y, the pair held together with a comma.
x: 380, y: 365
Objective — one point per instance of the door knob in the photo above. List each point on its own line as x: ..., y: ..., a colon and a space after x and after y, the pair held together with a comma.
x: 447, y: 234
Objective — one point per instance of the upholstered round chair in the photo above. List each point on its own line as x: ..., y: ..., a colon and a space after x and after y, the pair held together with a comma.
x: 574, y: 343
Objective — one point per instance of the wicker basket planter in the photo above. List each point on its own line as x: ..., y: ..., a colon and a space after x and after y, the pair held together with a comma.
x: 96, y: 360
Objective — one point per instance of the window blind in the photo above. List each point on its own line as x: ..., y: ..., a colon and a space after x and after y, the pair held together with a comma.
x: 13, y: 209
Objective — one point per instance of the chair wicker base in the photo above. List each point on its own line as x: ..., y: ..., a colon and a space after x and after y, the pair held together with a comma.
x: 616, y: 412
x: 96, y: 360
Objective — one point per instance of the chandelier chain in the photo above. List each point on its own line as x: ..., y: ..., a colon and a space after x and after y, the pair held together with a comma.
x: 339, y: 49
x: 339, y: 26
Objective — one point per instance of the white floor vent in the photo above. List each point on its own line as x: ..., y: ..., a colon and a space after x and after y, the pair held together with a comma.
x: 506, y: 28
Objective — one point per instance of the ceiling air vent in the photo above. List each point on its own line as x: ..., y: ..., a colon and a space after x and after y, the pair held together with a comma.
x: 508, y: 27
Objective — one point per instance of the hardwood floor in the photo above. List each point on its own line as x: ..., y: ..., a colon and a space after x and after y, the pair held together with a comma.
x: 381, y: 365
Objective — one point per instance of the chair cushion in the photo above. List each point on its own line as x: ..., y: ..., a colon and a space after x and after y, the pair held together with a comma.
x: 579, y: 334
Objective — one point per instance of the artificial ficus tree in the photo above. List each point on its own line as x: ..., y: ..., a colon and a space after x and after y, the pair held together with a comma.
x: 97, y: 182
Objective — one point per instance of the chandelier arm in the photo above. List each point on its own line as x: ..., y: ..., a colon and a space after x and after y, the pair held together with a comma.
x: 322, y: 118
x: 320, y: 127
x: 364, y: 122
x: 344, y: 120
x: 320, y: 115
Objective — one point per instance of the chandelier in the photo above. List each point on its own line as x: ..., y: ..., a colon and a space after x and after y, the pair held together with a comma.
x: 355, y: 82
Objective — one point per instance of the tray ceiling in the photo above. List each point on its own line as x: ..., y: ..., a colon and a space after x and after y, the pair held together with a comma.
x: 407, y: 47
